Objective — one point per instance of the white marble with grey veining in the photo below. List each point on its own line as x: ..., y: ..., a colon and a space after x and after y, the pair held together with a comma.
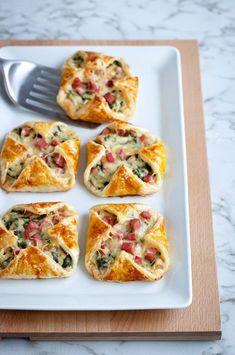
x: 212, y: 23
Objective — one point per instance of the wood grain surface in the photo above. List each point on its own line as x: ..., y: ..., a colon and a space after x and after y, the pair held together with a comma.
x: 200, y: 321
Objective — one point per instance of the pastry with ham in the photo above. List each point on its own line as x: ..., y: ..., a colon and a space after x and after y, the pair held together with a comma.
x: 98, y: 88
x: 124, y: 160
x: 40, y: 157
x: 38, y: 240
x: 126, y: 242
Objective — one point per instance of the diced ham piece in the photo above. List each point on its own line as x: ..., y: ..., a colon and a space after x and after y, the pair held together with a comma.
x: 102, y: 246
x: 131, y: 236
x: 33, y: 225
x: 118, y: 70
x: 36, y: 237
x: 151, y: 254
x: 76, y: 83
x: 56, y: 219
x: 54, y: 142
x: 59, y: 216
x: 119, y: 235
x: 121, y: 132
x: 31, y: 229
x: 138, y: 259
x: 40, y: 142
x: 45, y: 224
x: 109, y: 157
x: 144, y: 139
x: 64, y: 213
x: 134, y: 224
x: 93, y: 87
x: 148, y: 178
x: 109, y: 83
x: 94, y: 170
x: 128, y: 247
x: 106, y: 131
x: 145, y: 215
x: 16, y: 251
x: 25, y: 132
x: 109, y: 98
x: 59, y: 160
x: 80, y: 90
x: 122, y: 154
x: 106, y: 167
x: 110, y: 220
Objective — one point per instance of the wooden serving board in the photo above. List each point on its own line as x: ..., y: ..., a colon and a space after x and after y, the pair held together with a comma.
x: 200, y: 321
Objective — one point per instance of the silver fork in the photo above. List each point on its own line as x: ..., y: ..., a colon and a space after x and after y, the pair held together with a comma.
x: 35, y: 87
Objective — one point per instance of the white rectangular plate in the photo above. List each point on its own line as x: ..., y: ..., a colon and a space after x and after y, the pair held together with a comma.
x: 160, y: 110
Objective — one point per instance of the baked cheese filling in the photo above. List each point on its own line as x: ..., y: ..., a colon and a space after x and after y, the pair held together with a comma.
x: 96, y: 83
x: 120, y: 148
x: 31, y: 229
x: 42, y: 147
x: 6, y: 256
x: 127, y: 237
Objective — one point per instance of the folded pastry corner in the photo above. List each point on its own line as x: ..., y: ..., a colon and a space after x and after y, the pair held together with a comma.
x: 38, y: 240
x: 126, y: 242
x: 124, y: 160
x: 39, y: 157
x: 98, y: 88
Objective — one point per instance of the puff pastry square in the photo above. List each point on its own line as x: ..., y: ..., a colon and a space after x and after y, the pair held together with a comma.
x: 124, y: 160
x: 39, y: 157
x: 126, y: 242
x: 98, y: 88
x: 38, y: 240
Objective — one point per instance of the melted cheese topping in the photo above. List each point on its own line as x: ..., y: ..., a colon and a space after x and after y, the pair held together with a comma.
x: 6, y: 256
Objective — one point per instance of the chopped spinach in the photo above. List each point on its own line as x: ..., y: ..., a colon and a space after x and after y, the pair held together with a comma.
x: 71, y: 93
x: 23, y: 244
x: 106, y: 138
x: 19, y: 233
x: 6, y: 262
x: 18, y: 131
x: 9, y: 223
x: 26, y: 221
x: 57, y: 130
x: 14, y: 171
x: 67, y: 261
x: 117, y: 63
x: 55, y: 256
x: 78, y: 60
x: 134, y: 137
x: 39, y: 218
x: 103, y: 262
x: 86, y: 96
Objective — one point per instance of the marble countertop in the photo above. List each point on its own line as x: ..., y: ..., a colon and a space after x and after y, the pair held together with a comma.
x: 211, y: 22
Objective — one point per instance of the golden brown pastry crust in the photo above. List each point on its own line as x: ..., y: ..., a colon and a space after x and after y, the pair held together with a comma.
x: 125, y: 268
x: 36, y: 175
x: 33, y: 261
x: 94, y: 69
x: 124, y: 181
